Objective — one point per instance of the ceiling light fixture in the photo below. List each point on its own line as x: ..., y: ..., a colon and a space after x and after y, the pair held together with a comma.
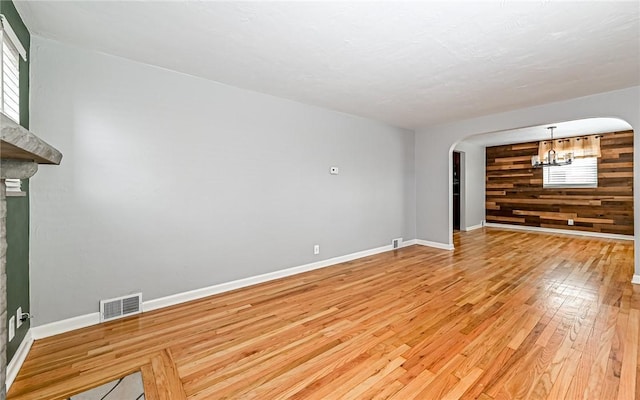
x: 551, y: 158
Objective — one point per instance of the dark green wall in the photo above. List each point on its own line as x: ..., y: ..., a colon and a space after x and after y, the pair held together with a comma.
x: 18, y: 207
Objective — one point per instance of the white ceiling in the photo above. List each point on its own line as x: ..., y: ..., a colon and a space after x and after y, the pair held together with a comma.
x: 410, y: 64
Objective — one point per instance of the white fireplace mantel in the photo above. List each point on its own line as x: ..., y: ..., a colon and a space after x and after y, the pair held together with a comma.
x: 20, y: 153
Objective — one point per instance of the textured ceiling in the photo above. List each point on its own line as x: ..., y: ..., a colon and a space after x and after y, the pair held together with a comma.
x: 409, y: 64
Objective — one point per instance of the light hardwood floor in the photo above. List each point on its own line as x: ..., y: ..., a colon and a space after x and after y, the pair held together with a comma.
x: 507, y: 315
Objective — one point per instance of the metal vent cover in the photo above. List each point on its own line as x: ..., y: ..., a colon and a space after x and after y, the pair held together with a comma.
x: 120, y: 307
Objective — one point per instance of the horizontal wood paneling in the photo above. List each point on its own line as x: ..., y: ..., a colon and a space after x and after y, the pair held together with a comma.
x: 514, y: 192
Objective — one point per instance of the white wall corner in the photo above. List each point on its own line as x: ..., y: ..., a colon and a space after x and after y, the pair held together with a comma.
x: 18, y: 359
x: 636, y: 279
x: 408, y: 243
x: 474, y: 227
x: 437, y: 245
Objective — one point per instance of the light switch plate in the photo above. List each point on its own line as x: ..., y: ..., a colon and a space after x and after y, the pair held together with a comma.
x: 19, y: 317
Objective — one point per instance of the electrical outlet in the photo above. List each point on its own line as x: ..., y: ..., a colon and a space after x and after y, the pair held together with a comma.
x: 316, y: 249
x: 569, y: 222
x: 12, y: 328
x: 19, y: 317
x: 395, y: 243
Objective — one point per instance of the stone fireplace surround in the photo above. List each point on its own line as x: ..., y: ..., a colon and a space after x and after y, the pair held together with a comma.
x: 20, y: 153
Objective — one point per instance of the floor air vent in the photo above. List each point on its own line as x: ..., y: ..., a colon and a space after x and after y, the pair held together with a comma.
x: 120, y: 307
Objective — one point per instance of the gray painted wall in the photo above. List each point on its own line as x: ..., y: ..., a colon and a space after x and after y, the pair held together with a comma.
x: 472, y: 192
x: 434, y: 145
x: 171, y: 183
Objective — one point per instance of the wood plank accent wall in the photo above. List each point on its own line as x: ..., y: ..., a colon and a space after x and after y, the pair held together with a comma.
x: 514, y: 192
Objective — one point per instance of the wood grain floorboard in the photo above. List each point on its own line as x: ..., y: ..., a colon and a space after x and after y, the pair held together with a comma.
x: 507, y: 315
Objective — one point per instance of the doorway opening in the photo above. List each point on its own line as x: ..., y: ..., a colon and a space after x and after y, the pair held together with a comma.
x: 457, y: 176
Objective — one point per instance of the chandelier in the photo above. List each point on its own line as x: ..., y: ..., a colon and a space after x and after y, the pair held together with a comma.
x: 551, y: 158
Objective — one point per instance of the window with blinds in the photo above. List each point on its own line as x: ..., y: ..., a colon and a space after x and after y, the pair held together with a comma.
x: 10, y: 88
x: 581, y: 173
x: 10, y: 72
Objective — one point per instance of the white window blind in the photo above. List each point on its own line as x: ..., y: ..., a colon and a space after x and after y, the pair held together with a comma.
x: 581, y: 173
x: 10, y: 53
x: 10, y: 87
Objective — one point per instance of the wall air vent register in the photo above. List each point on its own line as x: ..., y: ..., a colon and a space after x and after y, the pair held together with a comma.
x: 120, y: 307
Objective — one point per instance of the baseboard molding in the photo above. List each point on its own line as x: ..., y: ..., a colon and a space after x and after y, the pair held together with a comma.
x: 559, y: 231
x: 82, y: 321
x: 409, y: 243
x: 436, y: 245
x: 636, y: 279
x: 65, y: 325
x: 13, y: 367
x: 474, y: 227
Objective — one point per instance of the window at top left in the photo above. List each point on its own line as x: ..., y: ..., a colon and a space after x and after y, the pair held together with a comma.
x: 9, y: 73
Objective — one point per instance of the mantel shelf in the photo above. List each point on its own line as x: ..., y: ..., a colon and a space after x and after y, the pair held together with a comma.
x: 18, y: 143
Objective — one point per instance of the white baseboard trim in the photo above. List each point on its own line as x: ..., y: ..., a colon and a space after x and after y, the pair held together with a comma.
x: 18, y: 359
x: 409, y: 243
x: 253, y: 280
x: 474, y: 227
x: 559, y: 231
x: 66, y: 325
x: 436, y: 245
x: 636, y: 279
